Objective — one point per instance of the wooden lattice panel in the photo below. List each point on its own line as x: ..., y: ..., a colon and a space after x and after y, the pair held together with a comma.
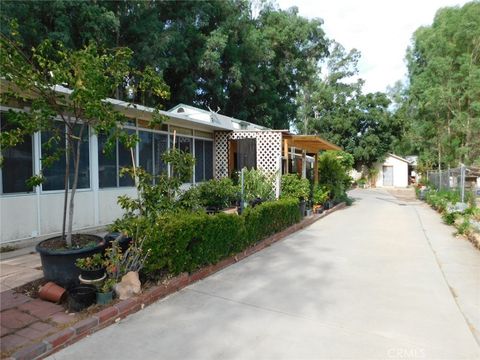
x: 269, y: 150
x: 221, y: 154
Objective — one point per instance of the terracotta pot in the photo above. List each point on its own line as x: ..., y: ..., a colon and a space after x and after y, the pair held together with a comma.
x: 51, y: 292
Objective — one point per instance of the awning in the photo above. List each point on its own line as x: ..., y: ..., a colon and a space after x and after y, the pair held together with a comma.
x: 312, y: 144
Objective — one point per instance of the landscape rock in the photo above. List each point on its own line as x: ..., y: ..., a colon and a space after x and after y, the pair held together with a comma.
x: 129, y: 286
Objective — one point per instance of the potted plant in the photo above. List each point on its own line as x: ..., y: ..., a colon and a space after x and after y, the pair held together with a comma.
x: 295, y: 187
x: 105, y: 291
x: 320, y: 196
x: 91, y: 267
x: 66, y: 91
x: 362, y: 182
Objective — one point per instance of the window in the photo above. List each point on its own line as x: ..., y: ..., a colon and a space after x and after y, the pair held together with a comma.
x: 151, y: 147
x: 111, y: 162
x: 182, y: 143
x: 125, y: 161
x: 107, y: 164
x: 160, y: 145
x: 54, y: 142
x: 203, y: 160
x: 18, y: 162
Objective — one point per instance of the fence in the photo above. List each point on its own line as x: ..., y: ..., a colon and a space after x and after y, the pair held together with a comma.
x: 463, y: 179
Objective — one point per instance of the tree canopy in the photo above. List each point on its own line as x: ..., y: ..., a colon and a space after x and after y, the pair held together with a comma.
x: 335, y: 107
x: 442, y: 99
x: 213, y: 54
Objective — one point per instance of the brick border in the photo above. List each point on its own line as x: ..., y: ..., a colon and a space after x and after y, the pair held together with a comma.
x: 122, y: 309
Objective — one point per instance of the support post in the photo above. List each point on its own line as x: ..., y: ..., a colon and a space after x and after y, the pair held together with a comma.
x: 315, y: 170
x: 285, y: 150
x: 304, y: 164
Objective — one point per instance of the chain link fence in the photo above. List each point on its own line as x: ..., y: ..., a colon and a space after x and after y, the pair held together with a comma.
x: 464, y: 179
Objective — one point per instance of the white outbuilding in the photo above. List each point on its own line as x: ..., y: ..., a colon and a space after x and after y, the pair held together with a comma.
x: 393, y: 171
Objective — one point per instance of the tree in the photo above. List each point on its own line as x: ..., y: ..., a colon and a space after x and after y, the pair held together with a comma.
x: 444, y: 87
x: 335, y: 108
x: 213, y: 54
x: 72, y: 85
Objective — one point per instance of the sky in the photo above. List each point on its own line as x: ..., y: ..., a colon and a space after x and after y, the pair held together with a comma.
x: 380, y: 30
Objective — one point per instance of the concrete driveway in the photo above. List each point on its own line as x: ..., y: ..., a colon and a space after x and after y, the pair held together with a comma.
x: 364, y: 283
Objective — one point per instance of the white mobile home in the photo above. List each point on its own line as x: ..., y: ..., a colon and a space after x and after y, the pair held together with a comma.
x: 220, y: 145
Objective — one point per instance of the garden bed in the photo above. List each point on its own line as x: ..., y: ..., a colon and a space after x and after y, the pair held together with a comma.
x: 98, y: 317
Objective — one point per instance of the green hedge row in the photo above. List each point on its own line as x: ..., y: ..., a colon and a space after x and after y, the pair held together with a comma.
x: 187, y: 241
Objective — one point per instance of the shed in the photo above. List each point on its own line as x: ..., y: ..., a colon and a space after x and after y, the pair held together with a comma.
x: 393, y: 171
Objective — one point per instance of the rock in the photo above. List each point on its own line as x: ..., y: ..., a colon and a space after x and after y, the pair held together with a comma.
x: 460, y: 207
x: 129, y: 286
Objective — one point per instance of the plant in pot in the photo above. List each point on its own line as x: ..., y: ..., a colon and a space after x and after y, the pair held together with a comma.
x: 66, y: 92
x: 257, y: 186
x: 297, y: 188
x: 91, y: 267
x: 105, y: 291
x: 362, y: 182
x: 320, y: 195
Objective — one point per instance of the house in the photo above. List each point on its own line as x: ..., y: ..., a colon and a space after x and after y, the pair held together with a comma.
x: 393, y: 171
x: 220, y: 145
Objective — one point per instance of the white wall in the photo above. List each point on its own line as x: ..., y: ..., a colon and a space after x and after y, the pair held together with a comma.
x: 400, y: 172
x: 30, y: 215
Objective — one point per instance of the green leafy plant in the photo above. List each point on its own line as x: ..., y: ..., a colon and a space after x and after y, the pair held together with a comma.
x: 118, y: 264
x: 320, y: 195
x: 107, y: 285
x: 333, y: 169
x: 257, y: 185
x: 218, y: 193
x: 93, y: 262
x: 294, y: 187
x: 185, y: 241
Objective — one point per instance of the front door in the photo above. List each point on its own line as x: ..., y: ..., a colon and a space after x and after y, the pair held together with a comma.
x: 388, y: 176
x: 242, y: 153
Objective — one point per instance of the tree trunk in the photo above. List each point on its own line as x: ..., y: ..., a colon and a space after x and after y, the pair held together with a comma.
x: 76, y: 161
x: 66, y: 180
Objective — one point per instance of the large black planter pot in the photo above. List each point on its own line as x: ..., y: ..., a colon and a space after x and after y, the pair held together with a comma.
x: 302, y: 207
x: 59, y: 265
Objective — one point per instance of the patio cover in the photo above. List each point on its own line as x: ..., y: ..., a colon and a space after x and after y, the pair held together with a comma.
x: 312, y: 144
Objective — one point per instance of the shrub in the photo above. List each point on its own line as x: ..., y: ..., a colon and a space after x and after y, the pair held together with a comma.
x: 218, y: 194
x: 294, y: 187
x: 185, y: 241
x: 333, y: 168
x: 270, y: 218
x: 257, y: 185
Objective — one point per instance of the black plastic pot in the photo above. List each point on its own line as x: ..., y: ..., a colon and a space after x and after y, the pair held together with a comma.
x: 59, y: 265
x: 81, y: 296
x: 124, y: 242
x: 92, y: 274
x: 302, y: 207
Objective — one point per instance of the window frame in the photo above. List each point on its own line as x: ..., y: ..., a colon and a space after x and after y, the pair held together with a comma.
x: 34, y: 191
x: 90, y: 187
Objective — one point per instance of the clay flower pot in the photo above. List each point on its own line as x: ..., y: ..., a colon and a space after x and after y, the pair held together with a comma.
x: 51, y: 292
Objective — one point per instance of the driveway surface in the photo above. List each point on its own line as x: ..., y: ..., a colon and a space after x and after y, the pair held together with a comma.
x: 382, y: 279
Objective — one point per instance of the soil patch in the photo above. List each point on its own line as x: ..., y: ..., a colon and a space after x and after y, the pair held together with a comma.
x: 79, y: 241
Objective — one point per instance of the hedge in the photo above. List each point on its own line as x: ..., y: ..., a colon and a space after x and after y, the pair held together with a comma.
x: 269, y: 218
x: 186, y: 241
